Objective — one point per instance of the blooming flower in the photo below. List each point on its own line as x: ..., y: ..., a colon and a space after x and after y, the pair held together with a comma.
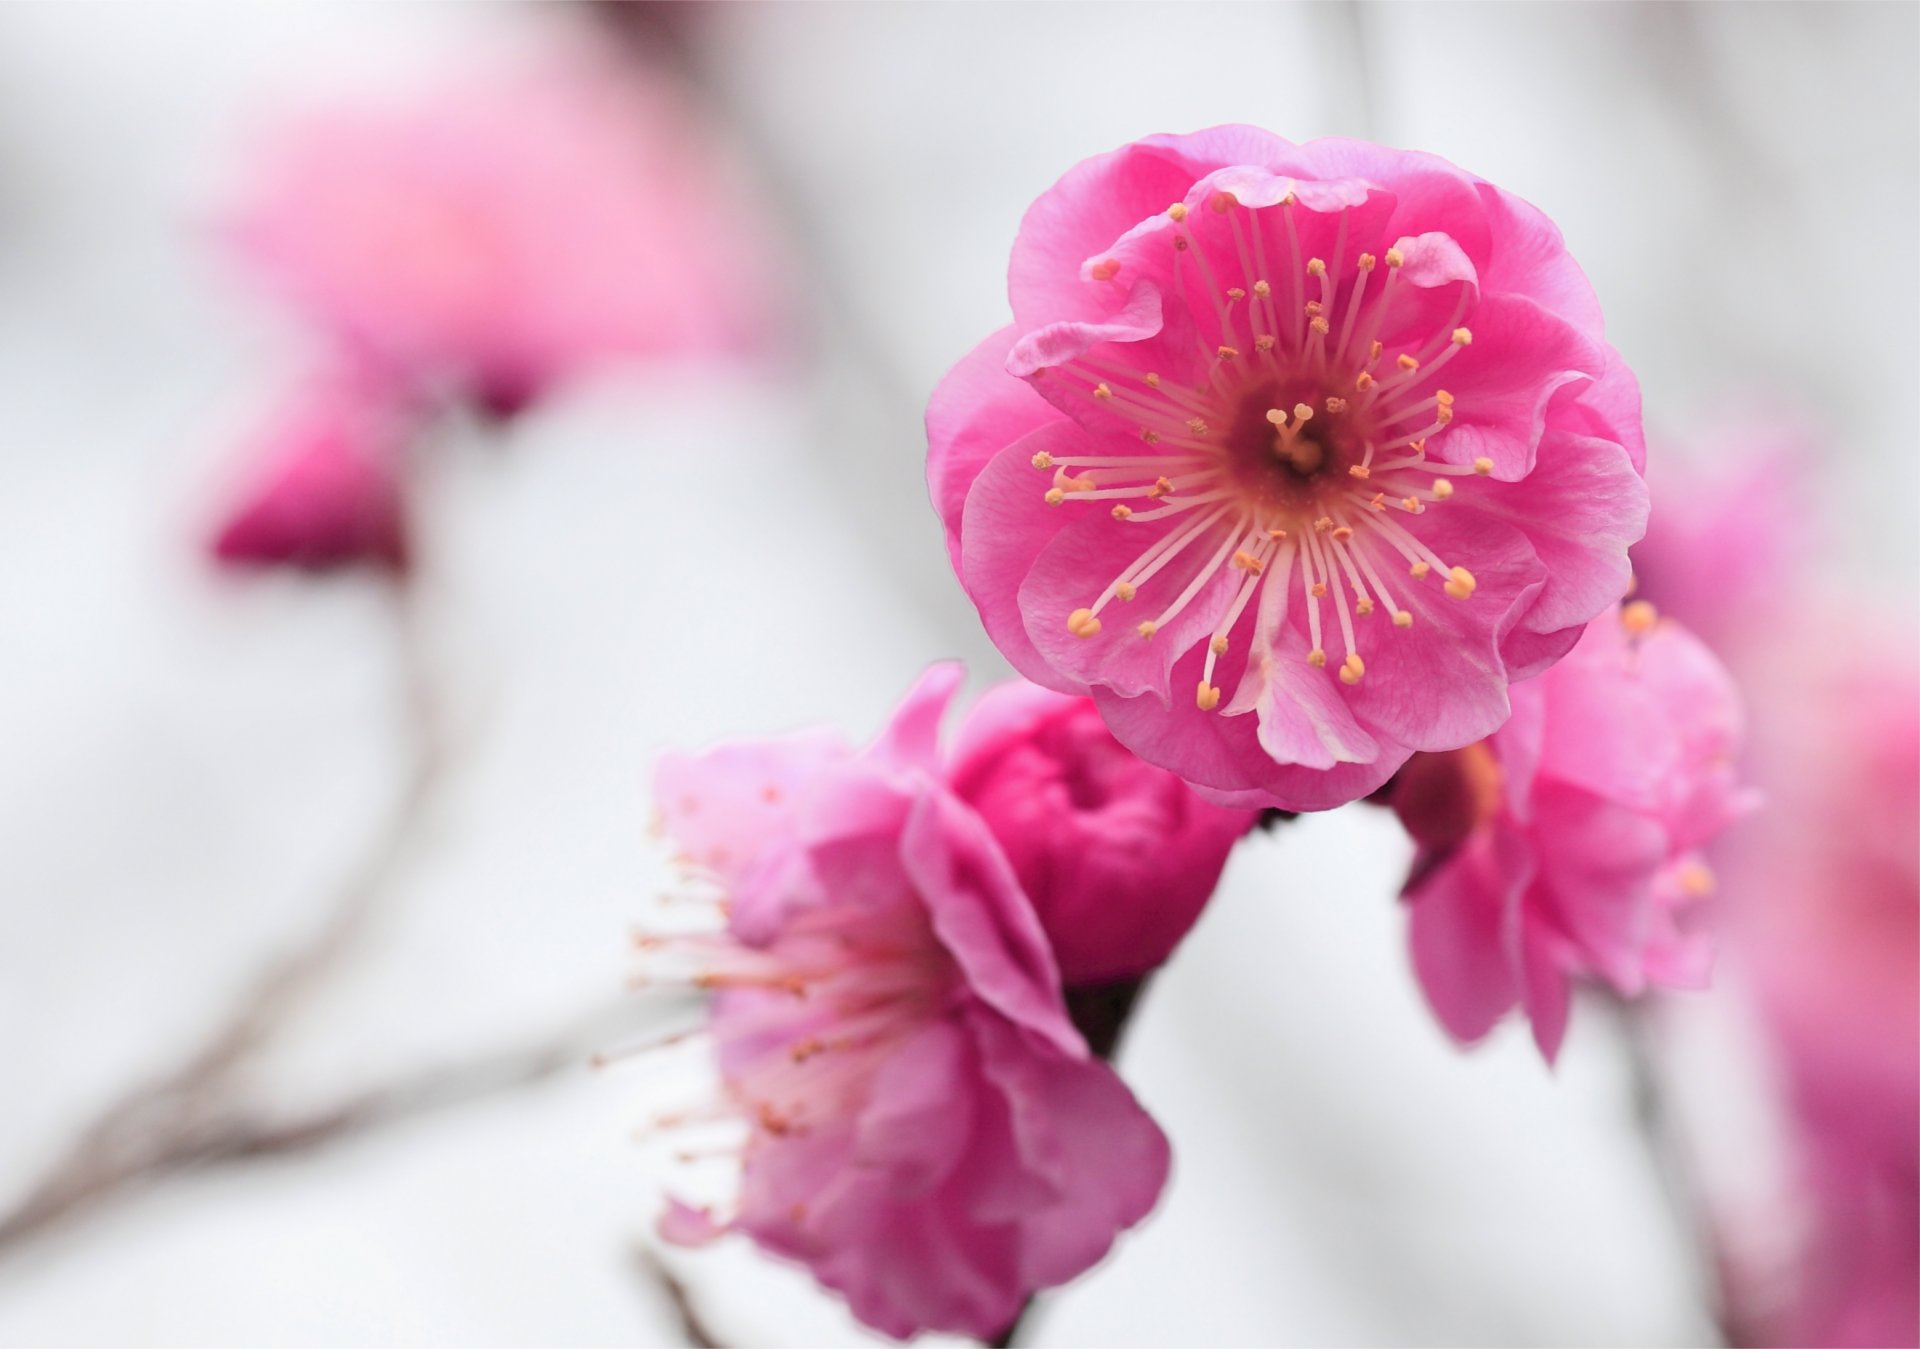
x: 1568, y: 843
x: 500, y: 235
x: 1118, y: 856
x: 926, y: 1131
x: 326, y: 488
x: 1292, y: 457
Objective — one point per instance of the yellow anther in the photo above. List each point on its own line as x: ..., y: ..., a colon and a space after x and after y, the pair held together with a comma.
x: 1696, y: 880
x: 1153, y: 380
x: 1460, y: 583
x: 1363, y: 605
x: 1364, y: 382
x: 1419, y: 446
x: 1177, y: 212
x: 1395, y: 257
x: 1407, y: 362
x: 1463, y: 337
x: 1218, y: 645
x: 1418, y: 571
x: 1125, y: 591
x: 1055, y: 496
x: 1442, y: 489
x: 1483, y: 466
x: 1317, y: 658
x: 1106, y: 269
x: 1342, y: 534
x: 1235, y: 293
x: 1314, y: 307
x: 1359, y: 471
x: 1324, y: 523
x: 1366, y: 262
x: 1262, y: 289
x: 1412, y: 505
x: 1206, y: 697
x: 1378, y: 501
x: 1264, y: 342
x: 1639, y: 617
x: 1373, y: 352
x: 1122, y: 511
x: 1443, y: 414
x: 1043, y: 460
x: 1303, y: 412
x: 1402, y: 619
x: 1197, y: 425
x: 1352, y: 669
x: 1443, y: 398
x: 1161, y: 487
x: 1149, y: 435
x: 1224, y: 202
x: 1081, y: 623
x: 1319, y: 590
x: 1335, y: 404
x: 1320, y: 325
x: 1315, y: 267
x: 1276, y: 534
x: 1248, y: 562
x: 1102, y: 391
x: 1146, y: 630
x: 1227, y: 353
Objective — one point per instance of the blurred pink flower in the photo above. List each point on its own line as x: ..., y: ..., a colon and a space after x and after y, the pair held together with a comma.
x: 1118, y: 856
x: 928, y: 1132
x: 501, y: 235
x: 1823, y: 912
x: 1568, y: 843
x: 325, y: 489
x: 1729, y: 519
x: 1239, y: 417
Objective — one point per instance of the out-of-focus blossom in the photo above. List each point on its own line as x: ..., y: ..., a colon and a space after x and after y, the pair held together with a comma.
x: 1568, y: 843
x: 1292, y: 457
x: 1823, y: 912
x: 928, y: 1133
x: 1729, y: 521
x: 1118, y: 856
x: 494, y: 237
x: 325, y: 488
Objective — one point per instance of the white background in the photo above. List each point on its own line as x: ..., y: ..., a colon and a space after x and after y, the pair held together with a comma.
x: 191, y: 761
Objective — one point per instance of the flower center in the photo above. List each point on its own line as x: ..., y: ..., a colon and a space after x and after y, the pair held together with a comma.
x: 1301, y: 439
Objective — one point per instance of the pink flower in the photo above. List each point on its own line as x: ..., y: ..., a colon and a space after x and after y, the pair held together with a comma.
x: 928, y: 1133
x: 1117, y: 856
x: 501, y: 235
x: 326, y: 489
x: 1568, y: 843
x: 1823, y: 914
x: 1292, y: 457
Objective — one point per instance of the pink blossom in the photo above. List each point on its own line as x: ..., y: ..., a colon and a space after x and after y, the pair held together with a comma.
x: 498, y: 235
x: 325, y: 489
x: 928, y: 1133
x: 1568, y: 843
x: 1823, y: 915
x: 1118, y: 856
x: 1292, y: 457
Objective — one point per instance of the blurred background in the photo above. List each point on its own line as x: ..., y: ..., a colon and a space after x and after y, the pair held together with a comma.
x: 410, y: 805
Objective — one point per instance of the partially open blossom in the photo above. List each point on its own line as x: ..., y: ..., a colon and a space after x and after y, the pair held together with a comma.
x: 925, y: 1129
x: 1118, y: 856
x: 497, y: 235
x: 1292, y: 457
x: 324, y: 488
x: 1568, y: 843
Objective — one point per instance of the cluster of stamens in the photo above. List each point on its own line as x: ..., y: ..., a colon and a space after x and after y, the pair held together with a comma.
x: 1320, y: 479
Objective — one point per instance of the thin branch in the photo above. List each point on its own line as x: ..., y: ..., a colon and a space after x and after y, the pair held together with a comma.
x: 176, y: 1119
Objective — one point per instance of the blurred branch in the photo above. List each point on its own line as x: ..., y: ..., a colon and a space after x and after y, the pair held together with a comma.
x: 669, y: 1286
x: 188, y: 1116
x: 1662, y: 1136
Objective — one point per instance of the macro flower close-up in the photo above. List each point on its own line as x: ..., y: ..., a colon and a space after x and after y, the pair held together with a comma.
x: 1293, y: 457
x: 1182, y: 673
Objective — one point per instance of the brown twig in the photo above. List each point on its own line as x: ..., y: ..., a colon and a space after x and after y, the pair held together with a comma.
x: 187, y: 1116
